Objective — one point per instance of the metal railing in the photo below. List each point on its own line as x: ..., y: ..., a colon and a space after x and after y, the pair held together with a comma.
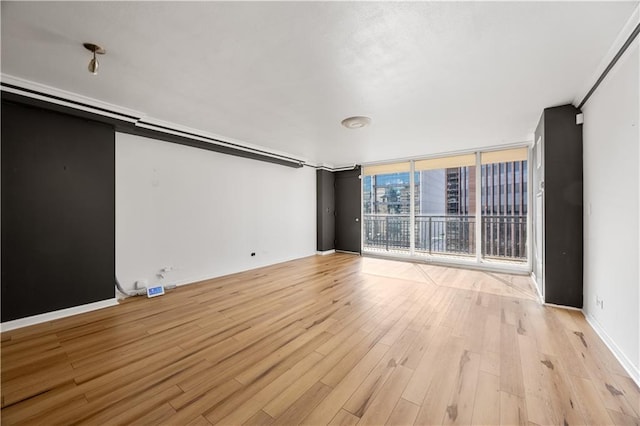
x: 445, y: 234
x: 503, y: 237
x: 389, y: 232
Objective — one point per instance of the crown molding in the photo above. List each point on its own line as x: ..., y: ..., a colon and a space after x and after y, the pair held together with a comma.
x: 63, y: 98
x: 72, y: 99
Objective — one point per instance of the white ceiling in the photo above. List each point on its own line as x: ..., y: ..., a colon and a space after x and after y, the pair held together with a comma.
x: 433, y: 76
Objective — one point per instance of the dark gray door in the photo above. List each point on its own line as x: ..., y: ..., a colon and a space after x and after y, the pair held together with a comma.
x: 348, y: 228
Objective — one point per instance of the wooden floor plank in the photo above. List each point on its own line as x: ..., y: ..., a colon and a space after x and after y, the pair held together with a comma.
x: 447, y: 376
x: 336, y: 339
x: 343, y: 418
x: 187, y: 411
x: 486, y: 406
x: 418, y: 386
x: 304, y: 404
x: 332, y: 404
x: 46, y: 402
x: 346, y: 364
x: 257, y: 402
x: 510, y: 361
x: 561, y: 392
x: 461, y: 402
x: 536, y: 392
x: 198, y: 421
x: 420, y: 344
x: 135, y: 409
x: 285, y: 398
x: 630, y: 390
x: 622, y: 419
x: 381, y: 406
x: 404, y: 413
x: 513, y: 410
x: 155, y: 415
x: 375, y: 381
x: 591, y: 406
x: 259, y: 419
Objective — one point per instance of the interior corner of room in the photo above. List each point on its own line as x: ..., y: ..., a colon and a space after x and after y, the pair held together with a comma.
x: 95, y: 187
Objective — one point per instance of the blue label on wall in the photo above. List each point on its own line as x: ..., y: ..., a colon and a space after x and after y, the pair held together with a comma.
x: 155, y: 291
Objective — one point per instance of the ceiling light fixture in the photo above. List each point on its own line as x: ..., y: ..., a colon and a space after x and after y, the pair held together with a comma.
x: 93, y: 63
x: 356, y: 122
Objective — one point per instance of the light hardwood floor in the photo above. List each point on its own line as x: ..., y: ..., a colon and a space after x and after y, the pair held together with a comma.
x: 333, y: 339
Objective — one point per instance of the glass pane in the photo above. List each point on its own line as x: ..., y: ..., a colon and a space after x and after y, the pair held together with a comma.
x: 445, y: 211
x: 504, y: 208
x: 386, y: 203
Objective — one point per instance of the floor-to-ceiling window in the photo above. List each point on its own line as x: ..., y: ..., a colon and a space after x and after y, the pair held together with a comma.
x: 470, y: 207
x: 504, y: 204
x: 387, y: 207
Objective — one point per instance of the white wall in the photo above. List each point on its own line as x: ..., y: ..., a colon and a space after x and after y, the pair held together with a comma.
x: 611, y: 193
x: 203, y: 213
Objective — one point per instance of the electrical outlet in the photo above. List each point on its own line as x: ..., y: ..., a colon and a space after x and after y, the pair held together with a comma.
x: 141, y: 284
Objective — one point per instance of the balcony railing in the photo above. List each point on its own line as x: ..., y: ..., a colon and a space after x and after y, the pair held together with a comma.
x: 503, y: 237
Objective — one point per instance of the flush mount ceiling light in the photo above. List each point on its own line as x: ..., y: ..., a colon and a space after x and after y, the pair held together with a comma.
x: 356, y: 122
x: 93, y: 63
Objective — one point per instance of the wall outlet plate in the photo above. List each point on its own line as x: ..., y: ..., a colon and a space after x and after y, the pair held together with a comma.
x: 155, y: 291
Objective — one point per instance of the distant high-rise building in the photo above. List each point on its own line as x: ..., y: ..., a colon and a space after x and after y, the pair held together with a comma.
x: 504, y: 188
x: 461, y: 190
x: 431, y: 185
x: 387, y: 194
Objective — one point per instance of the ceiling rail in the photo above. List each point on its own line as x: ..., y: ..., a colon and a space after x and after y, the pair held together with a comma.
x: 135, y: 125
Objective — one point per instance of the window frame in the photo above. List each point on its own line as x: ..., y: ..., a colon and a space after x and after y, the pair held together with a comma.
x: 476, y: 261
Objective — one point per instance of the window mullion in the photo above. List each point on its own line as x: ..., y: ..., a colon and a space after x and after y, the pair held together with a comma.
x: 412, y: 209
x: 478, y: 195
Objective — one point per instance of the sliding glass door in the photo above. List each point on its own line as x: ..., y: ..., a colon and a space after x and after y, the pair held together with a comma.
x: 470, y: 207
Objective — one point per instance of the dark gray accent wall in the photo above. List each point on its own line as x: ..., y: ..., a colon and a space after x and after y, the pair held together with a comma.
x: 562, y: 153
x: 326, y: 221
x: 58, y: 211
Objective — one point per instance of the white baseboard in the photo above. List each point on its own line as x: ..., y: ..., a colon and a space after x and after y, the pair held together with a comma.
x: 535, y: 285
x: 571, y: 308
x: 632, y: 370
x: 62, y: 313
x: 348, y: 252
x: 326, y: 252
